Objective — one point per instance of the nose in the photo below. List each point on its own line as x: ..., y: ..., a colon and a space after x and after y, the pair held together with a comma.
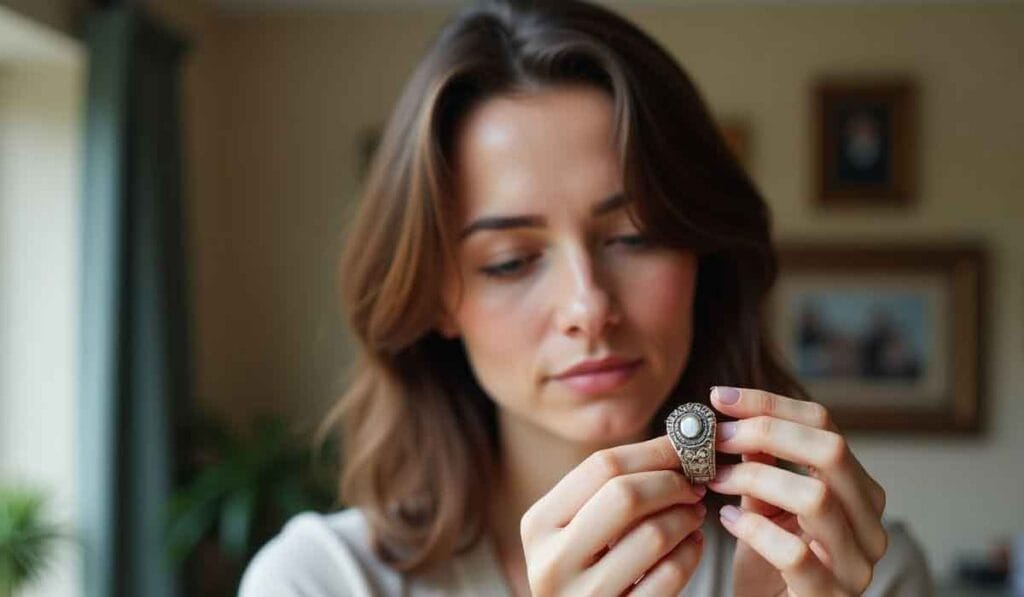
x: 585, y: 308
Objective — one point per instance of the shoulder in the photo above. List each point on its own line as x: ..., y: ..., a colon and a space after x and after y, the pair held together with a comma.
x: 319, y: 555
x: 903, y: 570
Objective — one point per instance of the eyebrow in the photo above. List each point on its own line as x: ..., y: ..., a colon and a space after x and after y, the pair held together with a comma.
x: 534, y: 221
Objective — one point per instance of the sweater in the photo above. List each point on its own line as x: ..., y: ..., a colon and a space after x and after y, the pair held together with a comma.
x: 322, y: 555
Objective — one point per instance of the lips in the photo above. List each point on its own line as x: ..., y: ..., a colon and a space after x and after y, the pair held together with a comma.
x: 598, y: 376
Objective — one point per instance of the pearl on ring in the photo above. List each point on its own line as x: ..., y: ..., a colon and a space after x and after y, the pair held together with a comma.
x: 690, y: 426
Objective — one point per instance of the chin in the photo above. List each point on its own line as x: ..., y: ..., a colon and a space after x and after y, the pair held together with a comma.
x: 608, y: 424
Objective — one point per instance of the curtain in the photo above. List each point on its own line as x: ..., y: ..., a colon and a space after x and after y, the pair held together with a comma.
x: 135, y: 368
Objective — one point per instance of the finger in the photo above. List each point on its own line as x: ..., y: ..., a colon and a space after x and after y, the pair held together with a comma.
x: 800, y: 568
x: 673, y: 572
x: 641, y: 548
x: 751, y: 503
x: 620, y: 503
x: 830, y: 457
x: 744, y: 403
x: 817, y: 511
x: 565, y: 499
x: 828, y: 449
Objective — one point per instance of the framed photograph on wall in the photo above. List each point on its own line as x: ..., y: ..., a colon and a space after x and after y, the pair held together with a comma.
x: 888, y: 338
x: 865, y: 142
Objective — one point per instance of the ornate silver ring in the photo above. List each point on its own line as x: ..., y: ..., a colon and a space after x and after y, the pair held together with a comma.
x: 691, y: 427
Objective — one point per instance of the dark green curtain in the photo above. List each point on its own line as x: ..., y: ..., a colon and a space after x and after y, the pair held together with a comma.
x: 135, y: 368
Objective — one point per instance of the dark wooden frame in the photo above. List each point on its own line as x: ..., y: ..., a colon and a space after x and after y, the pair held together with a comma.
x: 899, y: 98
x: 964, y: 267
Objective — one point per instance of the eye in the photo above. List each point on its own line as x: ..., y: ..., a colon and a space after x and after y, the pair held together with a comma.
x: 507, y: 269
x: 631, y: 240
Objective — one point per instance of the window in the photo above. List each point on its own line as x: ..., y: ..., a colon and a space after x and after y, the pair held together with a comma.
x: 41, y: 90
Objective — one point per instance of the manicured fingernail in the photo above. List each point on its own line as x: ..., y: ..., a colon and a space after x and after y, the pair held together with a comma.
x: 723, y: 473
x: 700, y: 490
x: 726, y: 430
x: 730, y: 513
x: 726, y: 395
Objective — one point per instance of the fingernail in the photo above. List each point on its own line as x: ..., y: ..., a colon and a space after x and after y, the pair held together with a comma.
x: 701, y: 509
x: 726, y: 430
x: 723, y: 473
x: 730, y: 513
x: 726, y: 395
x: 700, y: 490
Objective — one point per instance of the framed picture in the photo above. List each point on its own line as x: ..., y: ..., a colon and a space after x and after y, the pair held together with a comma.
x: 866, y: 142
x: 888, y: 338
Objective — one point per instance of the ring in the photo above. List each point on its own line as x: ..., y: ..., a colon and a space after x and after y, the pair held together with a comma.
x: 691, y: 428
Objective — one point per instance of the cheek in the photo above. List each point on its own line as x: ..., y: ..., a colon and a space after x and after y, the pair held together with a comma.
x: 665, y: 300
x: 498, y: 329
x: 487, y: 317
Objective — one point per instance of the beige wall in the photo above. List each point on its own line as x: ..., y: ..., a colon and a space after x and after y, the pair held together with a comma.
x: 274, y: 136
x: 62, y: 15
x: 294, y: 95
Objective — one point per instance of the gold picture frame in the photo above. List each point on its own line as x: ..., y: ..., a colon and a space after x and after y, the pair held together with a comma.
x: 889, y: 338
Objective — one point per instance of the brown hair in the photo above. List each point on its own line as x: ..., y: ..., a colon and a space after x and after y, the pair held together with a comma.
x: 419, y: 436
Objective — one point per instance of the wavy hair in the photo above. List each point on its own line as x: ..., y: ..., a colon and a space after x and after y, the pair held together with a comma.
x: 419, y: 435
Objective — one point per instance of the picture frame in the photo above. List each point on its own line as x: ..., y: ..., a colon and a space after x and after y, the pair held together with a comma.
x: 888, y: 338
x: 866, y: 142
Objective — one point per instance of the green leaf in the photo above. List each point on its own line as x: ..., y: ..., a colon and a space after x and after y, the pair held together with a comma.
x: 27, y: 541
x: 236, y: 518
x: 292, y: 498
x: 243, y: 493
x: 188, y: 527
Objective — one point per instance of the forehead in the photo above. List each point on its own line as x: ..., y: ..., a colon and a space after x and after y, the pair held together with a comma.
x: 532, y: 151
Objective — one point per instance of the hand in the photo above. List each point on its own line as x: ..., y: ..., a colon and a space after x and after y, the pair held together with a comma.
x: 622, y: 513
x: 814, y: 534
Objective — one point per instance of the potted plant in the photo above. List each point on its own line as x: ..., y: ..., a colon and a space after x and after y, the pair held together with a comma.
x: 27, y: 539
x: 240, y: 488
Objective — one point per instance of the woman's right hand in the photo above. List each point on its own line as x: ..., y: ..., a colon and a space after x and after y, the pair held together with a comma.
x: 623, y: 513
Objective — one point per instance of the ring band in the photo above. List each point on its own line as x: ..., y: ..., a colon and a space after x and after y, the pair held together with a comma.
x: 691, y: 428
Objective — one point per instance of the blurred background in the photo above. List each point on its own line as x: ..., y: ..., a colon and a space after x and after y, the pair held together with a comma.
x: 175, y: 176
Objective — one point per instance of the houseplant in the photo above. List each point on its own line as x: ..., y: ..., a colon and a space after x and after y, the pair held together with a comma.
x: 240, y: 486
x: 27, y: 539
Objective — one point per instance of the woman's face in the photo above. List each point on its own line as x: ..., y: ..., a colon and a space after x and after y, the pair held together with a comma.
x: 556, y: 275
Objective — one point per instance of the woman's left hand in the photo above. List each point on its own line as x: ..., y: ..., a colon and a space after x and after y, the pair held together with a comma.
x: 814, y: 534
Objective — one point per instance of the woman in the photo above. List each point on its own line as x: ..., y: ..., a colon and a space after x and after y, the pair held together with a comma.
x: 554, y: 250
